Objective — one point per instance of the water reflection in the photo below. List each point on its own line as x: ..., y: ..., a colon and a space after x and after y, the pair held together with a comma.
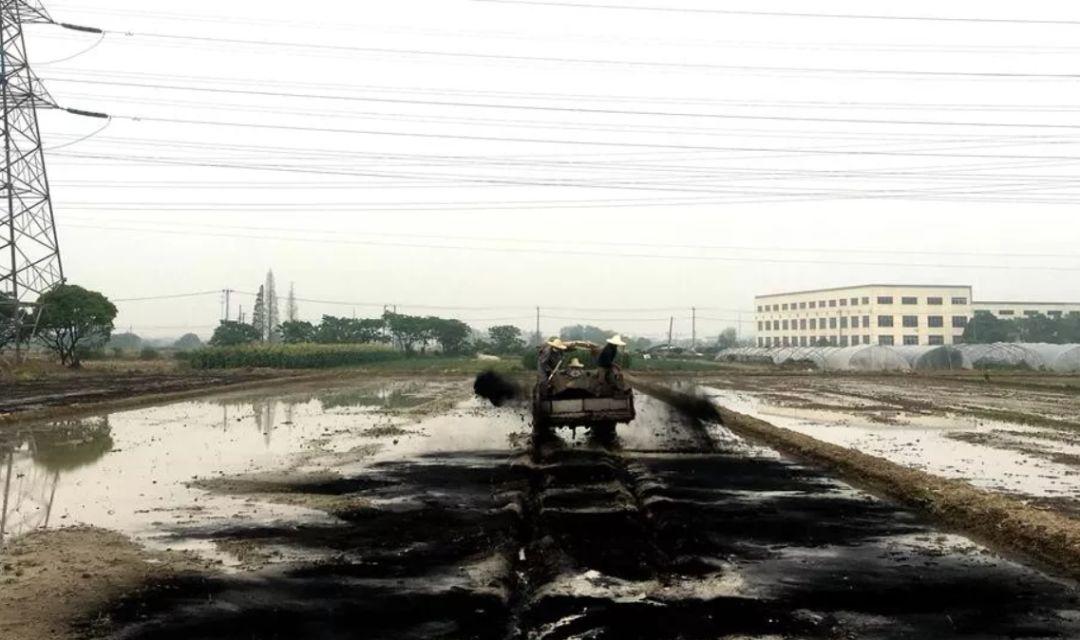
x: 33, y: 464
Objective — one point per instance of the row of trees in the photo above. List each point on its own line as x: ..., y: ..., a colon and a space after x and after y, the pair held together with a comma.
x: 985, y: 328
x: 410, y: 334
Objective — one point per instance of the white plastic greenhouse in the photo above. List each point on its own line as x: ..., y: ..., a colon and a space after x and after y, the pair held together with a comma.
x: 1061, y: 358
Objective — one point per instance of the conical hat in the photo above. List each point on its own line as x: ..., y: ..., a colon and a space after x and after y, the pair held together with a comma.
x: 617, y: 341
x: 575, y: 364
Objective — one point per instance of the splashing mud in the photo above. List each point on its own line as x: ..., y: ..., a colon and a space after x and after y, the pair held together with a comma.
x: 496, y: 389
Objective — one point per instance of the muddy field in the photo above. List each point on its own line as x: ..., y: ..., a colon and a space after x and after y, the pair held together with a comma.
x: 1019, y: 436
x: 404, y: 509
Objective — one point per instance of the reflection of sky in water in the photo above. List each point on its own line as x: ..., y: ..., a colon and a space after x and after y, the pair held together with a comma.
x: 127, y: 471
x: 921, y: 442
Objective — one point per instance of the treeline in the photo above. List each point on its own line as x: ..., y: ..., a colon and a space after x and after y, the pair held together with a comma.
x: 985, y: 328
x: 408, y: 334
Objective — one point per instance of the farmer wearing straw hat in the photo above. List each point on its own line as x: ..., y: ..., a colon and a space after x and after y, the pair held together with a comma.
x: 606, y: 359
x: 550, y: 355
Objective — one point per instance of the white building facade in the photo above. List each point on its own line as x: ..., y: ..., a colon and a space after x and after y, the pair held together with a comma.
x: 887, y: 314
x: 1009, y: 310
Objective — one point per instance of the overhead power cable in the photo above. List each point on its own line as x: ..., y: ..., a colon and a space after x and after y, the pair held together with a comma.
x: 551, y: 108
x: 600, y: 254
x: 787, y: 14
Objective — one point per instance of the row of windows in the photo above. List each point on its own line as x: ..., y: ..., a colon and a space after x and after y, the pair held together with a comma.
x: 843, y: 302
x: 1031, y: 314
x: 846, y: 341
x: 813, y: 324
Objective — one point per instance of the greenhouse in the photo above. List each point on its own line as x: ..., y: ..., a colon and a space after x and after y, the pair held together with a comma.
x: 934, y: 357
x: 865, y: 358
x: 1061, y: 358
x: 1002, y: 355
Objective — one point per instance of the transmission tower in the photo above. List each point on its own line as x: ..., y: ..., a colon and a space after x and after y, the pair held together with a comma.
x: 30, y: 261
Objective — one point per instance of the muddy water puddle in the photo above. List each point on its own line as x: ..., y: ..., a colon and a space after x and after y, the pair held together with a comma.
x: 135, y: 471
x: 1002, y: 456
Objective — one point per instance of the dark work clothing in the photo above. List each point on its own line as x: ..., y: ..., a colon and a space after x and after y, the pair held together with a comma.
x: 607, y: 356
x: 548, y: 360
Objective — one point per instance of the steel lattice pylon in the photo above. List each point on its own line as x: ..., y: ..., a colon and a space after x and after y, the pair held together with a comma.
x: 29, y: 251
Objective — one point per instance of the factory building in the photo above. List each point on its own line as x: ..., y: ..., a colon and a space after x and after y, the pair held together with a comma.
x: 886, y: 314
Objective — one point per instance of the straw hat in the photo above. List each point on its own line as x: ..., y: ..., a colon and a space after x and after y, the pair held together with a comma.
x: 617, y: 341
x: 555, y: 343
x: 575, y: 364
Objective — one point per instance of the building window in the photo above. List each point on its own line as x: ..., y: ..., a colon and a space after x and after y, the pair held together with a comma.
x: 843, y: 302
x: 958, y: 339
x: 785, y: 325
x: 910, y: 300
x: 832, y: 303
x: 934, y: 301
x: 884, y: 299
x: 786, y: 342
x: 759, y: 308
x: 760, y: 326
x: 1030, y: 313
x: 832, y: 323
x: 1006, y: 312
x: 959, y: 300
x: 776, y: 307
x: 813, y: 304
x: 761, y: 342
x: 1054, y: 314
x: 866, y: 321
x: 936, y: 340
x: 813, y: 324
x: 802, y: 305
x: 802, y: 341
x: 935, y: 322
x: 886, y: 340
x: 884, y: 321
x: 866, y: 300
x: 822, y: 304
x: 911, y: 340
x: 959, y: 322
x: 854, y: 302
x: 783, y: 307
x: 854, y: 322
x: 832, y: 340
x: 866, y: 339
x: 843, y: 322
x: 802, y: 324
x: 911, y: 321
x: 843, y: 341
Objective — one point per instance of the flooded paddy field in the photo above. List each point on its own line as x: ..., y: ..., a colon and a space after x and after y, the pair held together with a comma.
x: 1022, y: 439
x: 408, y: 509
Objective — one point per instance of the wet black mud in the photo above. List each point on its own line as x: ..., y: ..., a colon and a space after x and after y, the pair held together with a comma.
x: 592, y: 541
x: 496, y: 389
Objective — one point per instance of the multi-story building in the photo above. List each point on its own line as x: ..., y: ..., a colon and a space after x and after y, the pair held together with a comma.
x: 1007, y: 310
x: 888, y: 314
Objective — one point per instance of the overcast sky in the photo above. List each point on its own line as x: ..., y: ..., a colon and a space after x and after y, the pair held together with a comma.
x: 490, y: 157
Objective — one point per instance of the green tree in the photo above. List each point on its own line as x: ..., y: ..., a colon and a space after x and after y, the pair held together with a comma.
x: 409, y: 332
x: 188, y: 342
x: 9, y: 311
x: 74, y: 319
x: 1070, y: 328
x: 297, y: 332
x: 452, y: 335
x: 506, y: 339
x: 230, y: 334
x: 585, y: 332
x: 334, y: 330
x: 125, y: 342
x: 1039, y: 328
x: 985, y: 328
x: 727, y: 339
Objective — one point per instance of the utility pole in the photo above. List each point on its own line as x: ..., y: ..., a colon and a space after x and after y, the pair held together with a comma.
x: 670, y: 329
x: 693, y: 328
x: 228, y: 303
x: 30, y: 262
x: 539, y: 338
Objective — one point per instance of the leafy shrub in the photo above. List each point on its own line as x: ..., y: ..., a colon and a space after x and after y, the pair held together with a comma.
x: 149, y: 353
x: 292, y: 356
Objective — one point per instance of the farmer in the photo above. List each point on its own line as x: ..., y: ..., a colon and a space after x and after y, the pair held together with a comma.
x: 606, y: 358
x: 550, y: 355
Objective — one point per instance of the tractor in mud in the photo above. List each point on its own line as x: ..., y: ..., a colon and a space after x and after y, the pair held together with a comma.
x: 578, y: 397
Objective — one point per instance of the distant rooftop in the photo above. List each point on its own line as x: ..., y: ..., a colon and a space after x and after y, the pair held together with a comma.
x: 866, y: 286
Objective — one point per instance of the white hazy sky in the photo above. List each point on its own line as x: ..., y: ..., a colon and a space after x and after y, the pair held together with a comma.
x: 613, y: 166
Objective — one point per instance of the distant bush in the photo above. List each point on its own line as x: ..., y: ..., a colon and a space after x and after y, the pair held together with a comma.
x: 149, y: 353
x: 292, y: 356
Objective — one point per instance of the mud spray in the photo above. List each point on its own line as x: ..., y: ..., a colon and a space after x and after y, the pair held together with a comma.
x: 497, y: 389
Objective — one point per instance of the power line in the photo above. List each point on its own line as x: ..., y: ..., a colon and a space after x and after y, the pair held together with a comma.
x: 175, y: 296
x: 787, y: 14
x: 551, y: 108
x: 520, y: 250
